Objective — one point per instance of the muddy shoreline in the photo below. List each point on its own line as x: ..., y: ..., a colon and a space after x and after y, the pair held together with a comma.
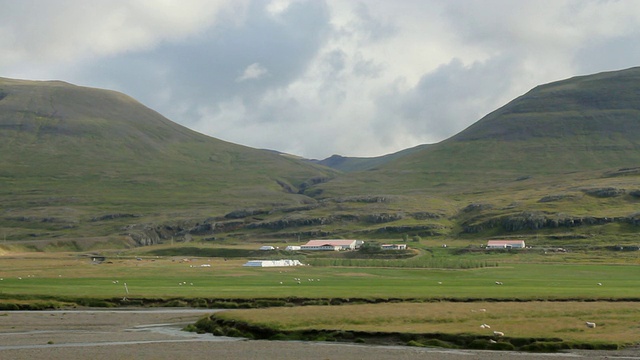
x: 156, y: 334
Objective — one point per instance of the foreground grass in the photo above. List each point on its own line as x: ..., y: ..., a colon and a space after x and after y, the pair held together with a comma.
x: 616, y: 322
x: 530, y: 326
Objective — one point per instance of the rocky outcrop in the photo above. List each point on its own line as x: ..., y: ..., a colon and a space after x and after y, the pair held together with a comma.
x: 421, y: 230
x: 290, y: 221
x: 112, y: 217
x: 243, y: 213
x: 605, y: 192
x: 364, y: 199
x: 144, y: 234
x: 537, y: 221
x: 476, y: 207
x: 382, y: 218
x: 424, y: 215
x: 558, y: 197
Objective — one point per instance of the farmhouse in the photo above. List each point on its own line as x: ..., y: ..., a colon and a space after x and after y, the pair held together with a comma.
x: 505, y: 244
x: 332, y: 245
x: 272, y: 263
x: 393, y: 246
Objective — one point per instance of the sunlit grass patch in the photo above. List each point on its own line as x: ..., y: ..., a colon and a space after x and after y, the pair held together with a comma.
x: 617, y: 322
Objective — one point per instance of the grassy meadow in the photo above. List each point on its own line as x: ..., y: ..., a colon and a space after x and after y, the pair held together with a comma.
x: 615, y: 322
x: 75, y: 275
x: 528, y: 295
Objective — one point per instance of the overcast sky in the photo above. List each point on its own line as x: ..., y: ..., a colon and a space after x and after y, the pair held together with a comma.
x: 316, y: 78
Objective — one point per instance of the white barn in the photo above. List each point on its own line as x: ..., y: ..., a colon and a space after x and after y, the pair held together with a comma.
x: 272, y: 263
x: 393, y: 246
x: 505, y: 244
x: 333, y: 245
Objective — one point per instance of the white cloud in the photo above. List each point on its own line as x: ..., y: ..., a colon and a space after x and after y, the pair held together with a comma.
x: 354, y: 78
x: 252, y: 72
x: 68, y: 30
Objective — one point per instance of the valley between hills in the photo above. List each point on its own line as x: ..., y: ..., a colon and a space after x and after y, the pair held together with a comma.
x: 85, y: 168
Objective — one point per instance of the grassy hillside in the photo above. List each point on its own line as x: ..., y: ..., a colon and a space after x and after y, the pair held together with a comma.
x: 71, y: 154
x: 351, y: 164
x: 558, y: 165
x: 550, y: 154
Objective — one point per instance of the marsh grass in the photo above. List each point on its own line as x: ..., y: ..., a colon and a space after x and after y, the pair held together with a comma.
x: 617, y: 322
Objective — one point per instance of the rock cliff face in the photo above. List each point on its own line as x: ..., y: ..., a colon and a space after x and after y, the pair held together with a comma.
x: 537, y: 221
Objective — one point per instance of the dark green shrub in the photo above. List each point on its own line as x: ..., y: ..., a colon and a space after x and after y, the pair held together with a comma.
x: 205, y: 325
x: 414, y: 343
x: 501, y: 345
x: 544, y: 346
x: 9, y: 306
x: 439, y: 343
x: 479, y: 344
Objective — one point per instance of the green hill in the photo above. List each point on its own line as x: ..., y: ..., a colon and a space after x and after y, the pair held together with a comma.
x: 71, y: 154
x: 548, y: 158
x: 351, y: 164
x: 559, y: 164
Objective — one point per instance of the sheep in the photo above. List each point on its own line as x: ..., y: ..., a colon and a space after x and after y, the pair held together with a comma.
x: 599, y: 284
x: 498, y: 333
x: 591, y: 325
x: 498, y: 282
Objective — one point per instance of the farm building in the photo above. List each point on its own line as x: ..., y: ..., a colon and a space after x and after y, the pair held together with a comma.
x: 272, y: 263
x: 267, y: 248
x: 332, y: 245
x: 393, y: 246
x: 292, y: 248
x: 505, y: 244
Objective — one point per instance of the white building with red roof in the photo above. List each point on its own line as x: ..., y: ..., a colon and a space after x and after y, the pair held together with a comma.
x: 505, y: 244
x: 332, y: 245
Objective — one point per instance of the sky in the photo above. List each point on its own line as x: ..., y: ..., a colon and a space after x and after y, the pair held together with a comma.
x: 315, y: 78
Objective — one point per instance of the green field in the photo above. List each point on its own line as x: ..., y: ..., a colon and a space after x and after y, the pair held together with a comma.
x: 558, y: 292
x: 72, y: 275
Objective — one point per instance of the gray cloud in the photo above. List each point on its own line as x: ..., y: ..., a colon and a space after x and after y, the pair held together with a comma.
x: 316, y: 78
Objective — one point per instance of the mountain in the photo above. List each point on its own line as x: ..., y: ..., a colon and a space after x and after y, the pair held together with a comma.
x: 351, y: 164
x: 586, y: 123
x: 562, y: 155
x: 560, y: 163
x: 71, y: 154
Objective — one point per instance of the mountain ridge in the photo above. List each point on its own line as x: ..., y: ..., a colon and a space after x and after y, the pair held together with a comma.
x: 78, y: 162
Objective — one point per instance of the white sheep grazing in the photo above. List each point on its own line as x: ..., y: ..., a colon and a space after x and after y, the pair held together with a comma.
x: 591, y: 325
x: 498, y: 333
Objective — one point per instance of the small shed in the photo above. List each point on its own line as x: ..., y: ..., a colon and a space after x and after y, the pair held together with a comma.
x: 505, y: 244
x: 393, y: 246
x: 272, y: 263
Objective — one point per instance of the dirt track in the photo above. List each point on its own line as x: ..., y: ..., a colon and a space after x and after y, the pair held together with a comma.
x: 155, y: 334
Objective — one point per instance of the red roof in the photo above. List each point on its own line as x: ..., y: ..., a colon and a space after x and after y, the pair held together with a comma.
x: 505, y: 241
x: 330, y: 242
